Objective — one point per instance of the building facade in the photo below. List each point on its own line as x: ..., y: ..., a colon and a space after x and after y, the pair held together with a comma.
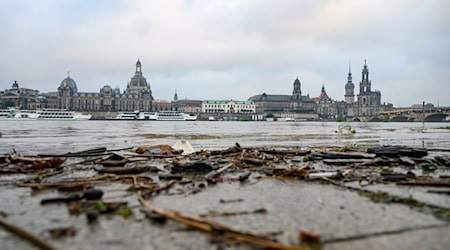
x: 187, y: 106
x: 326, y: 107
x: 22, y: 98
x: 295, y: 103
x: 228, y: 106
x: 368, y: 102
x: 137, y: 96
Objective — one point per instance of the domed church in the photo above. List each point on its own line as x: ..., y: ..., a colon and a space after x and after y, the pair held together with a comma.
x: 137, y: 96
x: 138, y: 82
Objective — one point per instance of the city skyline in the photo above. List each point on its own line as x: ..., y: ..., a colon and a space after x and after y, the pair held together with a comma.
x: 230, y: 49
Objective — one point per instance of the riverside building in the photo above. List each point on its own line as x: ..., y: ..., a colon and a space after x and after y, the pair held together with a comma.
x: 228, y: 106
x: 367, y: 104
x: 16, y: 96
x: 137, y: 96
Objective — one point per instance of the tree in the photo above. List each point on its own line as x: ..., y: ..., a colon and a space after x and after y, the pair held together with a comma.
x: 340, y: 118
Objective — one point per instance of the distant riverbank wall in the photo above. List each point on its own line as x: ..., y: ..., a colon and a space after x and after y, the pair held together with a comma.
x: 224, y: 116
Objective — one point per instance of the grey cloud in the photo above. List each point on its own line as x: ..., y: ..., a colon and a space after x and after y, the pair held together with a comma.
x: 231, y: 49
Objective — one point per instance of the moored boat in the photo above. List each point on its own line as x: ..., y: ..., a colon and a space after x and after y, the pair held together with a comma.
x: 14, y: 114
x: 42, y: 114
x: 60, y: 114
x: 128, y: 115
x: 147, y: 116
x: 174, y: 116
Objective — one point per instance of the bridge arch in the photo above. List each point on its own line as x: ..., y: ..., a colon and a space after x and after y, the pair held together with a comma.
x: 437, y: 117
x: 375, y: 119
x: 399, y: 118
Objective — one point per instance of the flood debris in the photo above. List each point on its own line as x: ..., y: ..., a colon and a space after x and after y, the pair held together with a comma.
x: 28, y: 236
x: 90, y: 194
x: 312, y: 176
x: 215, y: 173
x: 202, y: 166
x: 231, y: 200
x: 215, y: 228
x: 144, y: 172
x: 396, y: 151
x: 62, y: 232
x: 184, y: 146
x: 214, y: 213
x: 125, y: 170
x: 306, y: 236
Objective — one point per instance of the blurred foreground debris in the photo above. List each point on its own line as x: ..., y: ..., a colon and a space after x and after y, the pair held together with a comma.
x: 148, y: 171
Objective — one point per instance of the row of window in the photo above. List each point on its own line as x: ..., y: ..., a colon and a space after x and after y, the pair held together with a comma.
x: 229, y: 111
x: 228, y: 106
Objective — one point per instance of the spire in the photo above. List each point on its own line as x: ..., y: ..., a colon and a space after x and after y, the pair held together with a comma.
x: 365, y: 71
x: 349, y: 68
x: 323, y: 88
x: 297, y: 92
x: 175, y: 97
x: 68, y: 73
x: 138, y: 66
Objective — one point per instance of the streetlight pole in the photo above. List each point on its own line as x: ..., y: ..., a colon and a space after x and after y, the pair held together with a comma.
x: 423, y: 114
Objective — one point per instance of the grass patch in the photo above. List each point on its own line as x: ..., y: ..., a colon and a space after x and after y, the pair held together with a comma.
x: 383, y: 197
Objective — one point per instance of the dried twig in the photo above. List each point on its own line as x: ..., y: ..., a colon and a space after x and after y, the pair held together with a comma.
x: 215, y: 227
x: 26, y: 235
x: 437, y: 183
x: 66, y: 183
x: 233, y: 213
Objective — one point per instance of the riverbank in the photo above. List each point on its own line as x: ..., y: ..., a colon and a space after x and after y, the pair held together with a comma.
x: 239, y: 197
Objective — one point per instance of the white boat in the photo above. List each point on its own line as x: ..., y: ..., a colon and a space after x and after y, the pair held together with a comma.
x: 147, y: 116
x: 14, y: 114
x: 42, y: 114
x: 128, y: 115
x: 174, y: 116
x: 289, y: 119
x: 189, y: 117
x: 60, y: 114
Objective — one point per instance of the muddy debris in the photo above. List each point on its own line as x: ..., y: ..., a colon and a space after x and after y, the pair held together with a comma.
x: 90, y: 194
x: 203, y: 166
x: 145, y: 172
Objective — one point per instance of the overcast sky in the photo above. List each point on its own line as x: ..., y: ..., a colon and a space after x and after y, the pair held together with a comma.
x: 229, y: 49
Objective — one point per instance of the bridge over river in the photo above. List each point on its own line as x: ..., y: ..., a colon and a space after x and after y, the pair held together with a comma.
x: 434, y: 114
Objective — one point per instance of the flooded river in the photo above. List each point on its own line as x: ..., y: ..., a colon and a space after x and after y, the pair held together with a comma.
x: 289, y: 204
x: 32, y: 137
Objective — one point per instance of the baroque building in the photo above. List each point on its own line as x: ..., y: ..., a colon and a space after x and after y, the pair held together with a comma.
x: 368, y: 102
x: 325, y: 106
x: 17, y: 97
x: 137, y: 96
x: 296, y: 103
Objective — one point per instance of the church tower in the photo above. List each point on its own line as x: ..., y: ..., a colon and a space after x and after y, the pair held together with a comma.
x: 138, y: 67
x: 138, y: 83
x: 349, y: 88
x: 364, y: 85
x: 175, y: 97
x: 297, y: 92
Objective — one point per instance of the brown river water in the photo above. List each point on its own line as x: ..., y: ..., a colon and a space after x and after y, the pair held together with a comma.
x: 33, y: 137
x: 291, y: 205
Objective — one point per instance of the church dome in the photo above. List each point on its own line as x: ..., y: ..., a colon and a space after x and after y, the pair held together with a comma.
x: 69, y: 83
x: 138, y: 81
